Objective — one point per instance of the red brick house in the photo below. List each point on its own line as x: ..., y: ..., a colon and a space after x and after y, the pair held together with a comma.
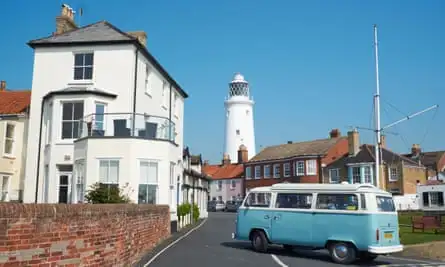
x: 433, y: 160
x: 294, y: 162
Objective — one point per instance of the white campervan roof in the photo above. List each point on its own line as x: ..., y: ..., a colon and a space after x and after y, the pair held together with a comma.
x: 344, y: 187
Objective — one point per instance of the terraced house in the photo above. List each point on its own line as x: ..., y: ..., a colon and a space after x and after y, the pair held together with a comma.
x: 14, y: 115
x: 300, y: 162
x: 398, y: 175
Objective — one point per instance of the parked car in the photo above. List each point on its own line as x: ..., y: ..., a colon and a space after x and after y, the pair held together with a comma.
x: 232, y: 206
x: 220, y: 206
x: 211, y: 205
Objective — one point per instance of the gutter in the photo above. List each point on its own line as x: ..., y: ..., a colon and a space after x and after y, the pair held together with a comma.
x: 135, y: 85
x: 18, y: 116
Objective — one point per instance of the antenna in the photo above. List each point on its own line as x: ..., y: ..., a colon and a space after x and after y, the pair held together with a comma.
x: 79, y: 20
x: 377, y: 110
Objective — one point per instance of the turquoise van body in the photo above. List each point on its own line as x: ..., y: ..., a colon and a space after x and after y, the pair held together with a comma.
x: 366, y: 228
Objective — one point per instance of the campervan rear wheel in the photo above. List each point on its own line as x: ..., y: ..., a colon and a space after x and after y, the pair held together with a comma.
x: 259, y: 241
x: 342, y: 252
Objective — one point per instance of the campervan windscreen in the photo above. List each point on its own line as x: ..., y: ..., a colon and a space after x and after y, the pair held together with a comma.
x: 385, y: 204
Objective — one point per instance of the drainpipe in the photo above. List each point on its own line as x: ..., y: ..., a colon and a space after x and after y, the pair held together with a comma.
x: 42, y: 109
x: 320, y: 170
x: 135, y: 86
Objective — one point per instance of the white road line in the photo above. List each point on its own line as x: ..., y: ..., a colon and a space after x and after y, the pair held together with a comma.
x: 412, y: 260
x: 174, y: 242
x: 278, y: 261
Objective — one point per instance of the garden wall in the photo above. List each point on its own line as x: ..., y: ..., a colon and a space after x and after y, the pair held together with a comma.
x: 79, y: 234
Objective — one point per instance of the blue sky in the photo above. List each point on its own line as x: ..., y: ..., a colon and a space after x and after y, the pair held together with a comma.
x: 310, y: 64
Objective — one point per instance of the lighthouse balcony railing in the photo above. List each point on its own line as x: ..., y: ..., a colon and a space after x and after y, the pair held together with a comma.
x: 127, y: 125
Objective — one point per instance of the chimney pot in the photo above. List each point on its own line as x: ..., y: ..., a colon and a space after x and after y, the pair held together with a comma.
x: 415, y: 149
x: 289, y: 142
x: 2, y: 86
x: 335, y: 133
x: 226, y: 159
x: 383, y: 141
x: 140, y: 35
x: 353, y: 142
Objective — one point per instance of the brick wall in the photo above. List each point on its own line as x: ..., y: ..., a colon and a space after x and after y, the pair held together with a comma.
x: 79, y: 234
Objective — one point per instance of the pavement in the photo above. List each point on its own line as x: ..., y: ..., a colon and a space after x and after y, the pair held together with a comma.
x: 211, y: 245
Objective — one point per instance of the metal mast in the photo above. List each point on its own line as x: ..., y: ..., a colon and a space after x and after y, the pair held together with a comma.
x: 377, y: 110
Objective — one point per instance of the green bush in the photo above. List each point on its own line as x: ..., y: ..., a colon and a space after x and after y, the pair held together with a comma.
x: 101, y: 194
x: 195, y: 212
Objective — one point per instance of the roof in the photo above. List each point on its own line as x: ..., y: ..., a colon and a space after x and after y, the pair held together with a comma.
x: 300, y: 149
x: 80, y: 91
x: 367, y: 154
x: 429, y: 159
x: 14, y: 102
x: 229, y: 171
x: 101, y: 33
x: 322, y: 187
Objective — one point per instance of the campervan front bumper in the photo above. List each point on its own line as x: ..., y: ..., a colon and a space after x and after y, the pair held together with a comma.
x: 385, y: 250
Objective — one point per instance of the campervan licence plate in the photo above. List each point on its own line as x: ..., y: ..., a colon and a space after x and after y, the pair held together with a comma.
x: 388, y: 235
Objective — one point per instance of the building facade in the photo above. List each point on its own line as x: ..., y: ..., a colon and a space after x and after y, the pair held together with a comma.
x: 227, y: 178
x: 300, y: 162
x: 14, y: 118
x: 239, y: 118
x: 103, y: 110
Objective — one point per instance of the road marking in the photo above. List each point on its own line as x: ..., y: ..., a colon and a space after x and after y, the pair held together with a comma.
x: 412, y: 260
x: 278, y: 261
x: 175, y: 242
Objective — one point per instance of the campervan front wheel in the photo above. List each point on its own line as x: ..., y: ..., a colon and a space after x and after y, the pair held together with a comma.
x: 342, y: 252
x: 259, y: 241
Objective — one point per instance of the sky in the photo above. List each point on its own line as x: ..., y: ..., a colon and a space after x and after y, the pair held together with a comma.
x: 310, y: 64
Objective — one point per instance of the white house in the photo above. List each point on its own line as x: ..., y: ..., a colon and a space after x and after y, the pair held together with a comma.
x: 102, y: 110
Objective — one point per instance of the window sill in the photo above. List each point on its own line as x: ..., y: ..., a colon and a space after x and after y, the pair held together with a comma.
x: 311, y: 174
x: 393, y: 181
x: 9, y: 156
x: 81, y: 82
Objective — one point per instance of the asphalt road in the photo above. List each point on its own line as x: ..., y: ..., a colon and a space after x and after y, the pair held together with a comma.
x: 211, y: 245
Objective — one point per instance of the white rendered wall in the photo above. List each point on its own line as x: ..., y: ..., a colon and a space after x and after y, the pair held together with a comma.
x: 239, y: 116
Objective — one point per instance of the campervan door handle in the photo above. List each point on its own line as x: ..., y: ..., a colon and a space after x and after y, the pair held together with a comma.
x: 277, y: 217
x: 266, y: 217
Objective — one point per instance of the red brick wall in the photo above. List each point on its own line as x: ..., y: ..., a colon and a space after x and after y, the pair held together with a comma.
x: 79, y: 234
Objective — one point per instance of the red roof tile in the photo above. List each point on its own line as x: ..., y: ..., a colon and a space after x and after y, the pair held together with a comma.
x: 13, y: 102
x: 217, y: 172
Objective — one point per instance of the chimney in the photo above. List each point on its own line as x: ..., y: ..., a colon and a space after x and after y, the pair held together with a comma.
x: 353, y: 142
x: 289, y: 142
x: 226, y: 159
x: 383, y: 141
x: 415, y: 149
x: 334, y: 133
x: 242, y: 154
x: 65, y: 22
x: 140, y: 35
x: 2, y: 86
x: 206, y: 162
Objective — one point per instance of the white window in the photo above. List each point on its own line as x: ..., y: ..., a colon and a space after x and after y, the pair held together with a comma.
x: 233, y: 198
x: 80, y: 180
x: 334, y: 176
x: 72, y: 113
x: 232, y: 184
x: 164, y: 94
x: 219, y: 186
x: 433, y: 199
x: 276, y: 171
x: 356, y: 175
x: 299, y: 168
x: 147, y: 79
x: 109, y: 173
x: 393, y: 174
x: 172, y: 184
x: 266, y: 171
x: 311, y: 167
x: 286, y: 169
x: 99, y: 119
x: 248, y: 172
x: 175, y: 104
x: 83, y: 66
x: 257, y: 172
x: 5, y: 188
x: 367, y: 175
x: 8, y: 147
x: 148, y: 182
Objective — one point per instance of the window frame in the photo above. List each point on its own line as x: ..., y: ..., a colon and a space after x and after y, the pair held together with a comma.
x: 311, y: 170
x: 257, y: 171
x: 219, y: 185
x: 164, y: 94
x: 148, y: 74
x: 391, y: 176
x: 109, y: 160
x: 286, y: 169
x: 355, y: 175
x: 10, y: 139
x: 80, y: 181
x: 147, y: 183
x: 258, y: 206
x: 298, y: 165
x: 365, y: 174
x: 337, y: 170
x: 232, y: 186
x: 248, y: 171
x: 74, y: 135
x: 83, y: 66
x: 317, y: 208
x: 267, y: 174
x: 276, y: 174
x: 300, y: 194
x: 4, y: 197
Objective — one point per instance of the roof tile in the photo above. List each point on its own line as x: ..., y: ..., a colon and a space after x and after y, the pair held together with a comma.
x: 14, y: 102
x: 229, y: 171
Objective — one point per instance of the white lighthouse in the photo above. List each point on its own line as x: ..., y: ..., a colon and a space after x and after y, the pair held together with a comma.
x: 239, y: 119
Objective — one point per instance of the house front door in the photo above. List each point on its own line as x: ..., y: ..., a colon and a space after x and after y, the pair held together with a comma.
x: 64, y: 187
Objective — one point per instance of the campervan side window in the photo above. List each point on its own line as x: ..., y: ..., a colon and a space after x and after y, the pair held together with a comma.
x: 385, y: 204
x: 293, y: 201
x: 337, y: 202
x: 362, y: 202
x: 258, y: 199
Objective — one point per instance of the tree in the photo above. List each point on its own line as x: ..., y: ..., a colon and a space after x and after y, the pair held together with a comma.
x: 102, y: 193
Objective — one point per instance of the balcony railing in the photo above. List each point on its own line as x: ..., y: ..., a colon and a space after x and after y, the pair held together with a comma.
x: 127, y: 125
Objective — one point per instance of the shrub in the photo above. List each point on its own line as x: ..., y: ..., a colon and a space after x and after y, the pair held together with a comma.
x: 195, y: 212
x: 100, y: 194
